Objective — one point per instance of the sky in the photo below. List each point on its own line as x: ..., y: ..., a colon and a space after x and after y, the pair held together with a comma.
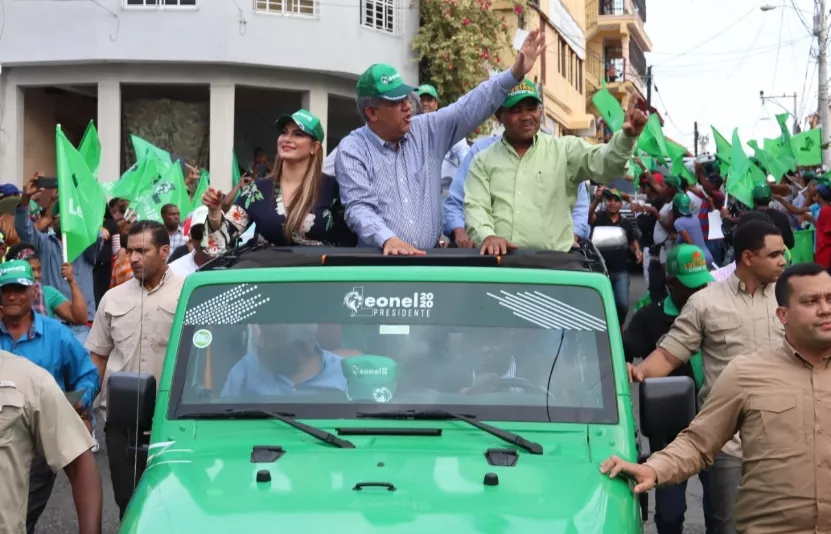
x: 711, y: 58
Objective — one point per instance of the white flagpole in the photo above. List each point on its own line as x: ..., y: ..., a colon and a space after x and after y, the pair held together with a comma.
x: 65, y: 253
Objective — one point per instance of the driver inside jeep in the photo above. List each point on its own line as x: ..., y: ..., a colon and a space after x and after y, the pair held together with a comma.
x: 284, y: 359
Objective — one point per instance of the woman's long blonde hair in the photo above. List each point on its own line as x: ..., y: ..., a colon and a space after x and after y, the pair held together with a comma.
x: 301, y: 205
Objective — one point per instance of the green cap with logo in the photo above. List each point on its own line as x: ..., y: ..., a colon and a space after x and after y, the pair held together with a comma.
x: 681, y: 202
x: 613, y: 193
x: 427, y: 89
x: 308, y: 123
x: 525, y: 89
x: 384, y: 82
x: 16, y: 272
x: 762, y: 192
x: 370, y: 378
x: 688, y: 264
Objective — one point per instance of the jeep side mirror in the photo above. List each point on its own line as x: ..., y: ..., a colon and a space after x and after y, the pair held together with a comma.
x: 131, y: 400
x: 667, y: 406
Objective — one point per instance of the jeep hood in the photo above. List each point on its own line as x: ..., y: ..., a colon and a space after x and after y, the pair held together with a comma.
x: 312, y: 491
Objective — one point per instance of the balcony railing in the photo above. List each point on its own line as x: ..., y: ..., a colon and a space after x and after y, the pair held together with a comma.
x: 618, y: 7
x: 640, y: 8
x: 637, y: 60
x: 594, y: 65
x: 592, y: 10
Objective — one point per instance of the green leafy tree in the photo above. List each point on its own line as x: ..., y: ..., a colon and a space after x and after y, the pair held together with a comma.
x: 460, y: 42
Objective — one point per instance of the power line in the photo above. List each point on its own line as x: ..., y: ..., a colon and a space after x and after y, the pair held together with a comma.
x: 713, y: 36
x: 758, y: 52
x: 733, y: 72
x: 776, y: 64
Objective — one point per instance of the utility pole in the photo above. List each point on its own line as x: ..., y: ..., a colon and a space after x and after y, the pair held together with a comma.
x: 649, y: 87
x: 764, y: 98
x: 695, y: 138
x: 822, y: 67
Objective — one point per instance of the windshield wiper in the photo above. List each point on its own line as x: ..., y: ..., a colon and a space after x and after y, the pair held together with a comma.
x: 287, y: 418
x: 504, y: 435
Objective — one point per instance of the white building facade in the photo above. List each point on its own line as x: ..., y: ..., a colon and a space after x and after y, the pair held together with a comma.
x: 229, y: 68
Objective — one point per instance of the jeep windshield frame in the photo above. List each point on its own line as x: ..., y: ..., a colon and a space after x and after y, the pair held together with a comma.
x: 610, y: 369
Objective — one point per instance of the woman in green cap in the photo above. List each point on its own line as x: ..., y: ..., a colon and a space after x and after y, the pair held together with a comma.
x: 296, y: 205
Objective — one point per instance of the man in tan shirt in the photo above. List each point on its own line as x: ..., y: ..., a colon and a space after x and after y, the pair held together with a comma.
x: 130, y: 333
x: 36, y: 417
x: 777, y: 399
x: 726, y: 319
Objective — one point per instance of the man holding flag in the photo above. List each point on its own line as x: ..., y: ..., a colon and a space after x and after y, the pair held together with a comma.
x: 76, y: 235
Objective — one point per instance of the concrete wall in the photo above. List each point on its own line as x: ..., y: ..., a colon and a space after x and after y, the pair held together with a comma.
x: 47, y: 32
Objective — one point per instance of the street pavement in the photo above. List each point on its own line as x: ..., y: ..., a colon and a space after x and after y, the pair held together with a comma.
x: 60, y: 518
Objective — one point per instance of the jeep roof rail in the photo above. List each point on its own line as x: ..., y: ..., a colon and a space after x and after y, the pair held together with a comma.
x: 585, y: 259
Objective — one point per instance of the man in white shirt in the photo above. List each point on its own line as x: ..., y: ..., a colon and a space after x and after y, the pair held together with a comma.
x: 197, y: 257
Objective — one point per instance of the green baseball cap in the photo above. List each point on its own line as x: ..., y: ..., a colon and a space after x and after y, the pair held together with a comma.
x: 613, y: 193
x: 688, y: 264
x: 525, y: 89
x: 681, y: 202
x: 762, y: 192
x: 384, y: 82
x: 427, y: 89
x: 672, y: 181
x: 370, y: 378
x: 17, y: 272
x: 304, y: 120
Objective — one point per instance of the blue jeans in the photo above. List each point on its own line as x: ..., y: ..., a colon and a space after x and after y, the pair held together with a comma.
x: 671, y: 504
x: 716, y: 247
x: 620, y: 287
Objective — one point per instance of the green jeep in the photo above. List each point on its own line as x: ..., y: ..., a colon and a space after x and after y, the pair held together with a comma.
x: 332, y: 390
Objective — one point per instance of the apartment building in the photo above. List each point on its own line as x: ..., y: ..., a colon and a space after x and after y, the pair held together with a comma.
x: 616, y: 45
x: 200, y: 78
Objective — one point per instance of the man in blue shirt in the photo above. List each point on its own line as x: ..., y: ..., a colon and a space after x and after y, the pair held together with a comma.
x: 50, y: 250
x: 285, y: 360
x: 454, y: 204
x: 389, y: 170
x: 50, y: 345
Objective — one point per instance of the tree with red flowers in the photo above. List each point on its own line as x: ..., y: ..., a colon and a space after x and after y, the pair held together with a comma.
x: 460, y: 41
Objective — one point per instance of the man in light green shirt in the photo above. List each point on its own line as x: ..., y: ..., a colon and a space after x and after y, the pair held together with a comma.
x: 520, y: 191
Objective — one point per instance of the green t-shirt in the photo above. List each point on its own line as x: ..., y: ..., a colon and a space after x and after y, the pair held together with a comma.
x: 52, y: 298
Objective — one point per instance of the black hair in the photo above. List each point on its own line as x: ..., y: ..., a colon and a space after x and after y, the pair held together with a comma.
x: 197, y: 232
x: 156, y: 229
x: 167, y: 207
x: 749, y: 216
x: 715, y: 179
x: 751, y: 237
x: 27, y: 250
x: 258, y: 150
x: 783, y: 284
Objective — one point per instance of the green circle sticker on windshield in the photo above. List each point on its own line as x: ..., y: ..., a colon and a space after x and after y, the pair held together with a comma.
x: 202, y: 338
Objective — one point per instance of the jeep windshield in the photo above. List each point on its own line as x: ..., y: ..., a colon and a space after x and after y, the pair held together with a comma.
x: 335, y: 350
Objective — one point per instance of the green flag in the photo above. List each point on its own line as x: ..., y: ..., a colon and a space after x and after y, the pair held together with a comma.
x: 652, y: 140
x: 134, y: 179
x: 143, y: 147
x: 80, y: 199
x: 772, y: 163
x: 90, y: 148
x: 201, y: 186
x: 739, y: 181
x: 723, y: 151
x: 807, y: 148
x: 679, y: 168
x: 165, y: 187
x: 609, y: 108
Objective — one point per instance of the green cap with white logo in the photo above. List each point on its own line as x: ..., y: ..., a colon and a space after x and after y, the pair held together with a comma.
x: 525, y: 89
x: 384, y: 82
x: 17, y: 272
x: 308, y: 123
x: 688, y: 264
x: 370, y: 378
x: 681, y: 202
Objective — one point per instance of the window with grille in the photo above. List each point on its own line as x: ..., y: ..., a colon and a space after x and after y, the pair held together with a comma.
x: 381, y: 15
x: 306, y: 8
x: 160, y: 3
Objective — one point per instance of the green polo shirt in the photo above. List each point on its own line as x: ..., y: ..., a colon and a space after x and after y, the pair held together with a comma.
x: 528, y: 200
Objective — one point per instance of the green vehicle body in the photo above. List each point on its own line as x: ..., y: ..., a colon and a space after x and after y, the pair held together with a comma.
x: 199, y: 477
